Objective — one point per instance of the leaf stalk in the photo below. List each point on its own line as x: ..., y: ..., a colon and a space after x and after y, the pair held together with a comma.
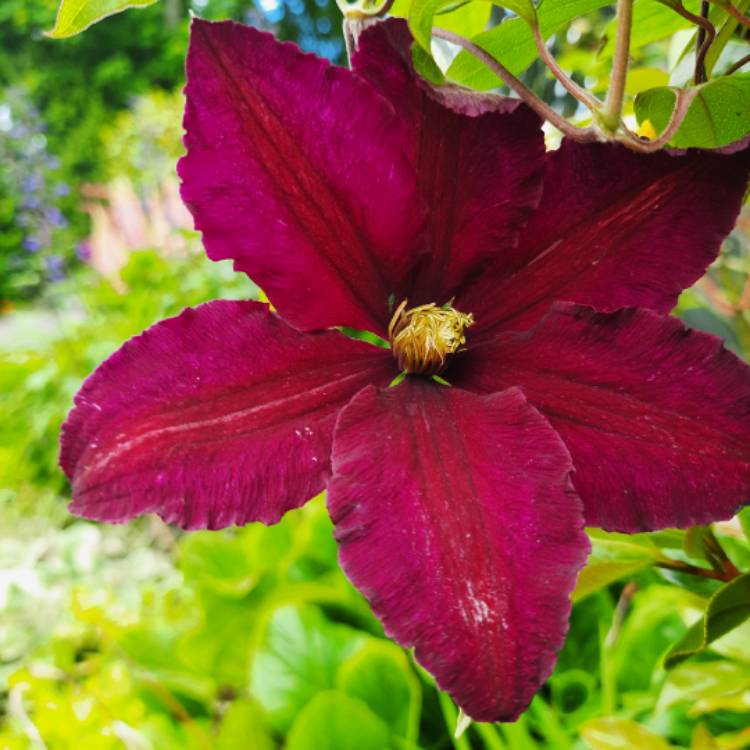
x: 735, y: 13
x: 695, y: 570
x: 736, y: 66
x: 611, y: 115
x: 541, y: 108
x: 576, y: 91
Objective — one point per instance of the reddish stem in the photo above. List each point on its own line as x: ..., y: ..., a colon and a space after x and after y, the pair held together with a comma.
x: 694, y: 570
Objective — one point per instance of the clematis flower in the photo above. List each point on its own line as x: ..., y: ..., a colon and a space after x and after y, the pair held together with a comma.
x: 537, y: 284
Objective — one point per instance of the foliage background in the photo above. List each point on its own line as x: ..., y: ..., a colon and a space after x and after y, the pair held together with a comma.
x: 140, y: 637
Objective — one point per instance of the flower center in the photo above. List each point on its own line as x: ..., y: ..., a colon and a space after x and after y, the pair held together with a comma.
x: 423, y: 337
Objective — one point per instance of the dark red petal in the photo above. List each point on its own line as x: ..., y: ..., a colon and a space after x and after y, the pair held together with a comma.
x: 614, y: 229
x: 656, y: 417
x: 220, y: 416
x: 456, y: 519
x: 480, y: 162
x: 296, y: 169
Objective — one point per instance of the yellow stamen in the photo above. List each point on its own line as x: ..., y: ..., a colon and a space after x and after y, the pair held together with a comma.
x: 423, y: 337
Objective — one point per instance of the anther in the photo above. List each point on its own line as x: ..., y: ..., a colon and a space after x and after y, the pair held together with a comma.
x: 422, y: 338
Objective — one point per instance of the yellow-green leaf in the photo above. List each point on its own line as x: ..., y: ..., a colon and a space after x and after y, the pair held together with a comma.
x: 75, y: 16
x: 421, y: 15
x: 702, y: 739
x: 613, y: 556
x: 425, y: 65
x: 693, y: 682
x: 728, y: 608
x: 651, y: 21
x: 334, y: 721
x: 744, y: 517
x: 621, y: 734
x: 466, y: 19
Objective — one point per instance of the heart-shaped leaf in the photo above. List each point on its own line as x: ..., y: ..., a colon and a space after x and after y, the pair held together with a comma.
x: 719, y: 114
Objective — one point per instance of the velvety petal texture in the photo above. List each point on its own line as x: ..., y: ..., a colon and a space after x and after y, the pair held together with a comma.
x: 456, y: 519
x: 480, y: 162
x: 656, y: 416
x: 220, y: 416
x: 613, y: 229
x: 297, y: 170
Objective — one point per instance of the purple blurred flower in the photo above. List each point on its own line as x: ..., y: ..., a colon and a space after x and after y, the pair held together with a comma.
x: 55, y: 267
x: 83, y: 251
x: 31, y: 202
x: 55, y: 217
x: 32, y: 183
x: 32, y: 244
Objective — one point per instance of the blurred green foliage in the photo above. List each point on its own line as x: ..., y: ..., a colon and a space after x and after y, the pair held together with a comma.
x: 144, y: 141
x: 66, y: 107
x: 77, y: 84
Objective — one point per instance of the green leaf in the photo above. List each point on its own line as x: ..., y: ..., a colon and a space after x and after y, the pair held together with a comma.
x: 75, y: 16
x: 728, y: 608
x: 523, y: 8
x: 645, y: 78
x: 379, y: 675
x: 620, y: 734
x: 692, y: 543
x: 425, y: 65
x: 421, y: 15
x: 702, y: 739
x: 733, y: 645
x: 693, y: 682
x: 512, y: 42
x: 744, y: 518
x: 334, y: 721
x: 718, y: 116
x: 243, y: 726
x: 152, y: 654
x: 724, y: 35
x: 651, y: 21
x: 613, y: 556
x: 653, y: 624
x: 467, y: 19
x: 463, y: 18
x: 217, y: 562
x: 574, y: 691
x: 301, y: 655
x: 220, y: 644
